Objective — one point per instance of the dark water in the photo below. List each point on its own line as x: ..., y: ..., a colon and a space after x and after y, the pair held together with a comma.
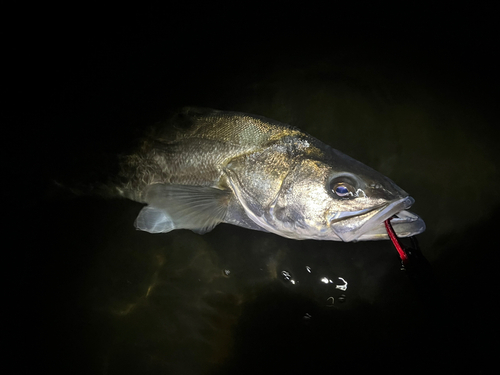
x: 88, y: 294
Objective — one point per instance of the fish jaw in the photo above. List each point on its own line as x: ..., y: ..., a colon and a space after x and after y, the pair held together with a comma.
x: 405, y: 223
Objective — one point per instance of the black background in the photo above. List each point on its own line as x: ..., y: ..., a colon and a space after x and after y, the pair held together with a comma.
x: 82, y: 83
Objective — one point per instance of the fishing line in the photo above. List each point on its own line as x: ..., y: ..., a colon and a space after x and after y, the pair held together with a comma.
x: 399, y: 247
x: 417, y: 267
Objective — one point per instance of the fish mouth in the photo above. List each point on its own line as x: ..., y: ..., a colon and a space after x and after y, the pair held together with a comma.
x: 368, y: 225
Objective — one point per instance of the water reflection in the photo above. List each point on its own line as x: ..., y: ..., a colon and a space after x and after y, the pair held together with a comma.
x: 185, y: 303
x: 176, y: 302
x: 310, y: 281
x: 233, y: 300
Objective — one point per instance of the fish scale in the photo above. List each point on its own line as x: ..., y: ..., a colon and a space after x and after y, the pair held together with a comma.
x: 205, y: 167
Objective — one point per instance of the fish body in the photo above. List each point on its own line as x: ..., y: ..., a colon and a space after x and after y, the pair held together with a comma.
x: 207, y: 167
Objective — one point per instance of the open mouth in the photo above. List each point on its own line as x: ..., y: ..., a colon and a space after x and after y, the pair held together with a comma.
x: 370, y: 226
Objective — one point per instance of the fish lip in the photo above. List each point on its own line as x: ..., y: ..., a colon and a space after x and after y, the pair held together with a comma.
x: 404, y: 223
x: 371, y: 229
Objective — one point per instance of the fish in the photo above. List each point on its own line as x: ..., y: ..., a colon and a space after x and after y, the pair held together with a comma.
x: 204, y: 167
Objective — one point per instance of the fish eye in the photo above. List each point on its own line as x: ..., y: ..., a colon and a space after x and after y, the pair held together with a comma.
x: 343, y: 186
x: 343, y: 189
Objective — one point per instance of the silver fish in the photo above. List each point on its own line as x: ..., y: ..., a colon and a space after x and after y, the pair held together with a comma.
x: 207, y: 167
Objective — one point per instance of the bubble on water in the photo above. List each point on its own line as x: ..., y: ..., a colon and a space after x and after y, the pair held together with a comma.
x: 287, y: 276
x: 342, y: 287
x: 342, y: 298
x: 330, y: 301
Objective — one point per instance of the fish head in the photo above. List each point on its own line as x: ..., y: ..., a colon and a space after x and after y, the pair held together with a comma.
x: 336, y: 197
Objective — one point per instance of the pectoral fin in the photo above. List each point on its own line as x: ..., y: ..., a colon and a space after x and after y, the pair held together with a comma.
x: 170, y: 207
